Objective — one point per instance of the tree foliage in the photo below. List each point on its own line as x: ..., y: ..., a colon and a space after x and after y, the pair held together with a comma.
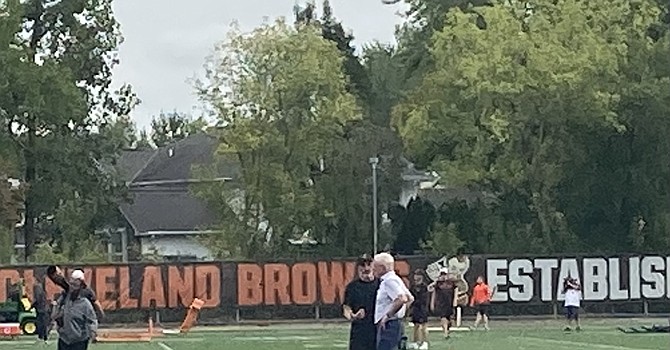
x: 413, y: 225
x: 170, y: 127
x: 332, y: 30
x: 55, y: 71
x: 554, y: 110
x: 281, y: 98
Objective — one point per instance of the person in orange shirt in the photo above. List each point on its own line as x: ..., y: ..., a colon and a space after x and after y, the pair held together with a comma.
x: 480, y: 301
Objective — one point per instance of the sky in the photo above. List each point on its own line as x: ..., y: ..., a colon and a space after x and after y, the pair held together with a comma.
x: 165, y: 46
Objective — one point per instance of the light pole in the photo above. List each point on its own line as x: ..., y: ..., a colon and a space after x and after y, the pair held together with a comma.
x: 373, y: 163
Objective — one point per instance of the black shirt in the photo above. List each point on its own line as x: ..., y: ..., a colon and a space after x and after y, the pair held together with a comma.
x: 40, y: 298
x: 362, y: 295
x: 420, y: 294
x: 444, y: 294
x: 89, y: 294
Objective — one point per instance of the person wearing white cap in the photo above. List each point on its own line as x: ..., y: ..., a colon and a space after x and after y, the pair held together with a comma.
x: 78, y: 275
x: 79, y: 322
x: 87, y: 292
x: 55, y: 274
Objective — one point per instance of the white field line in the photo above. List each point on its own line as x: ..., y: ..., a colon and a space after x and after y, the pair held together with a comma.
x: 184, y: 340
x: 580, y: 345
x: 165, y: 347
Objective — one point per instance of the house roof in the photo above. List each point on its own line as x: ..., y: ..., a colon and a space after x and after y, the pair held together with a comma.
x: 177, y: 161
x: 171, y: 207
x: 132, y: 162
x: 159, y: 209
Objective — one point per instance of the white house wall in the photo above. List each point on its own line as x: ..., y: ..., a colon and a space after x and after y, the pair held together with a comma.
x: 174, y: 246
x: 408, y: 192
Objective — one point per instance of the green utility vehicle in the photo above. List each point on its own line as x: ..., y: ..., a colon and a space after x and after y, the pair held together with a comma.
x: 19, y: 309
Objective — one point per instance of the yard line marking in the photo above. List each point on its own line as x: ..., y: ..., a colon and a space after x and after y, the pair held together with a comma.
x: 323, y: 346
x: 575, y: 343
x: 276, y: 338
x: 172, y: 340
x: 165, y: 347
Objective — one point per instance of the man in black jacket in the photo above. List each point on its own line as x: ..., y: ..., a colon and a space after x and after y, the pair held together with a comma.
x: 42, y: 309
x: 359, y: 304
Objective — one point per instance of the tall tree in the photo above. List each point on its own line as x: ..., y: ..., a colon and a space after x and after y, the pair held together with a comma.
x: 59, y: 56
x: 414, y: 36
x: 344, y: 188
x: 286, y: 104
x: 414, y: 223
x: 514, y: 108
x: 373, y: 80
x: 384, y: 70
x: 332, y: 30
x: 11, y: 199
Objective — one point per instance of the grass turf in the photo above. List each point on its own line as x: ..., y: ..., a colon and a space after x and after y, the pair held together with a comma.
x: 597, y: 335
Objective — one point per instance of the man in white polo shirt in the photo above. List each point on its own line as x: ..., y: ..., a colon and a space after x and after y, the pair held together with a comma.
x: 390, y: 304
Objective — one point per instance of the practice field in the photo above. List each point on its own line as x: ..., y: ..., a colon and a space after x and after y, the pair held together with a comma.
x: 597, y: 335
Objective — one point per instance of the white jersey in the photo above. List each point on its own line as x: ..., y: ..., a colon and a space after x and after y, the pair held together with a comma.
x: 572, y: 298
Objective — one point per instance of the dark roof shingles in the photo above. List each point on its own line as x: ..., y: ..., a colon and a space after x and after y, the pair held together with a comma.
x: 131, y: 162
x: 173, y: 207
x: 167, y: 210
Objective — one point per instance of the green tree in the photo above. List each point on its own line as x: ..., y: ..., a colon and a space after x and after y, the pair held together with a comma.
x: 54, y: 95
x: 11, y: 199
x: 332, y: 30
x: 169, y: 127
x: 282, y: 100
x: 384, y: 70
x: 414, y: 36
x: 513, y: 108
x: 414, y: 225
x: 343, y: 210
x: 443, y: 240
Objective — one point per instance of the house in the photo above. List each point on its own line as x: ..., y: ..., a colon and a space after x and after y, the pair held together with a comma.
x: 163, y: 214
x: 165, y: 218
x: 414, y: 181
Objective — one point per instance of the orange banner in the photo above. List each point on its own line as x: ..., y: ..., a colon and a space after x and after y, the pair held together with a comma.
x: 303, y: 283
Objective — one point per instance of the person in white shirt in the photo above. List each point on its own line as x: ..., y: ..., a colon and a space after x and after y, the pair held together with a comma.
x: 390, y: 303
x: 572, y: 291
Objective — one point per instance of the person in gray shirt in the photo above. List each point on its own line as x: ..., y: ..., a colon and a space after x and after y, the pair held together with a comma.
x: 79, y: 320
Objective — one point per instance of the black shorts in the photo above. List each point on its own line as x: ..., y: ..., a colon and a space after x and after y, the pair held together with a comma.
x: 363, y: 336
x: 419, y: 316
x: 445, y: 312
x: 482, y: 309
x: 572, y: 313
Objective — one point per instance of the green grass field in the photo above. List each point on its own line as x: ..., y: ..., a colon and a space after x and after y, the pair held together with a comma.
x: 597, y: 335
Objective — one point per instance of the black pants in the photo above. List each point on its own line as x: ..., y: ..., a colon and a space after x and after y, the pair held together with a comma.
x: 363, y: 336
x: 42, y: 323
x: 572, y: 313
x: 76, y: 346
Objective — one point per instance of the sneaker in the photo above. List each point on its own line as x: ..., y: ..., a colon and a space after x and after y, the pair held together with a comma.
x: 413, y: 346
x: 403, y: 344
x: 424, y: 346
x: 579, y: 329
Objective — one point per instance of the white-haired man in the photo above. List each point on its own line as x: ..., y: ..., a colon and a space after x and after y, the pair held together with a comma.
x: 390, y: 304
